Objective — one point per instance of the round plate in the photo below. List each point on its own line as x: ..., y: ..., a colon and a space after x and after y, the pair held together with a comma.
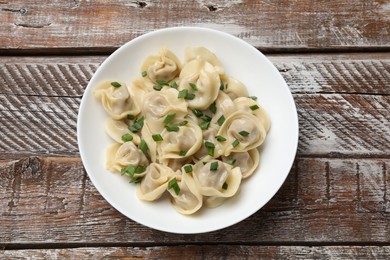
x: 241, y: 61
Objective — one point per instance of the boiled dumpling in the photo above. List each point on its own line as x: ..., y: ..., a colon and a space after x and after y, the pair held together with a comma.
x: 216, y: 178
x: 116, y: 129
x: 188, y: 200
x: 251, y: 106
x: 165, y: 66
x: 154, y: 182
x: 159, y: 104
x: 234, y: 88
x: 181, y: 143
x: 247, y: 161
x: 116, y: 99
x: 121, y: 155
x: 243, y: 132
x: 194, y: 53
x: 201, y: 80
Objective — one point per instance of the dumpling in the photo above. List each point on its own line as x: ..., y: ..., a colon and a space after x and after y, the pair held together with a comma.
x: 139, y: 88
x: 216, y: 178
x: 159, y: 104
x: 181, y: 143
x: 224, y: 106
x: 234, y: 88
x: 121, y: 155
x: 165, y: 66
x: 251, y: 106
x: 247, y: 161
x: 201, y: 80
x: 116, y: 129
x: 188, y: 200
x: 210, y: 145
x: 116, y: 99
x: 193, y: 53
x: 243, y: 132
x: 154, y: 182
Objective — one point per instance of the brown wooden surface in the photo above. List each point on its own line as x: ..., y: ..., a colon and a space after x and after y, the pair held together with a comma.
x: 206, y: 252
x: 334, y: 55
x: 269, y: 25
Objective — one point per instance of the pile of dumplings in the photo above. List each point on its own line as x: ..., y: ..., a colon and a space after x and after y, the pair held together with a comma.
x: 186, y: 130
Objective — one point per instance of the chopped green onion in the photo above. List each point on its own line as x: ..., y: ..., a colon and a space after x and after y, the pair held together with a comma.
x: 210, y: 151
x: 162, y: 82
x: 183, y: 153
x: 157, y: 87
x: 138, y: 124
x: 130, y: 117
x: 172, y: 128
x: 205, y: 125
x: 253, y: 97
x: 193, y: 86
x: 182, y: 93
x: 173, y: 84
x: 225, y: 186
x: 136, y: 180
x: 213, y: 108
x: 206, y: 118
x: 169, y: 118
x: 157, y: 137
x: 183, y: 123
x: 139, y: 169
x: 221, y: 120
x: 243, y: 133
x: 115, y: 84
x: 144, y: 74
x: 173, y: 184
x: 235, y: 143
x: 230, y: 161
x: 222, y: 86
x: 254, y: 107
x: 190, y: 96
x: 188, y: 168
x: 226, y: 86
x: 127, y: 137
x: 213, y: 166
x: 197, y: 112
x: 144, y: 147
x: 220, y: 138
x: 209, y: 144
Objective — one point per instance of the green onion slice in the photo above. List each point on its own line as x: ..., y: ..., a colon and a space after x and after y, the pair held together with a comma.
x: 243, y: 133
x: 254, y: 107
x: 157, y: 137
x: 221, y: 120
x: 169, y: 118
x: 115, y: 84
x: 214, y: 166
x: 172, y: 128
x: 127, y: 137
x: 220, y: 138
x: 188, y: 168
x: 235, y: 143
x: 172, y: 184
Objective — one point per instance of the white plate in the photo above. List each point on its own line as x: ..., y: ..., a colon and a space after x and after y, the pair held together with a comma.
x: 241, y: 61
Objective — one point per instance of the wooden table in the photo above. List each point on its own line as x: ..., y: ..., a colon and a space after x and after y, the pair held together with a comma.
x: 335, y: 57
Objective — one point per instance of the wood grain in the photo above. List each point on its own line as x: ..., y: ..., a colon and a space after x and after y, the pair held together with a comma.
x: 271, y: 26
x: 48, y: 200
x: 206, y: 252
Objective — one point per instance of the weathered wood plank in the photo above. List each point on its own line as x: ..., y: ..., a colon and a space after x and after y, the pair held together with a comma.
x: 268, y: 25
x: 206, y: 252
x: 331, y: 73
x: 330, y: 124
x: 51, y: 200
